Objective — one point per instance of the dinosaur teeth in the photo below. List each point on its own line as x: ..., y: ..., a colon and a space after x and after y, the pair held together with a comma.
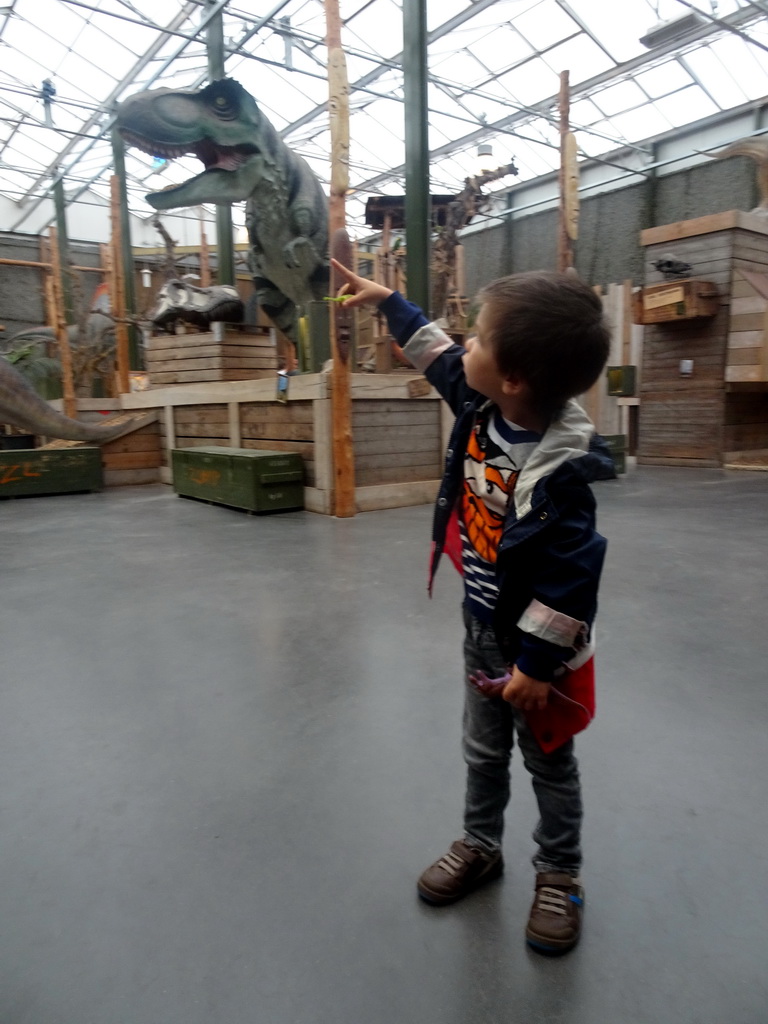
x: 154, y: 148
x: 229, y: 161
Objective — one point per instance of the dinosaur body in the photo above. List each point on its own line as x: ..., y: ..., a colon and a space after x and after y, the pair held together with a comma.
x: 245, y: 159
x: 757, y: 150
x: 23, y: 407
x: 100, y: 333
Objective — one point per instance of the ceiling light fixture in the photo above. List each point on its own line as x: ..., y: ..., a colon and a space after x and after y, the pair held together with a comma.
x: 672, y: 30
x: 484, y: 157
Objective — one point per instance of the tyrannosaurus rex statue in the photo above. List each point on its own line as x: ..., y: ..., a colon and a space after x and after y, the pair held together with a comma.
x: 245, y: 159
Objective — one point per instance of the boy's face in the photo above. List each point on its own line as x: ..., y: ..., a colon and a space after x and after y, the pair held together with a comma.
x: 480, y: 366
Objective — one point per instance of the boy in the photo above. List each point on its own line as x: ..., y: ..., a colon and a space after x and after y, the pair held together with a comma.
x: 515, y: 510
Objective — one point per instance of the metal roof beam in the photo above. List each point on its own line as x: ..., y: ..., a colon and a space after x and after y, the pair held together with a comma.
x: 135, y: 70
x: 583, y: 89
x: 275, y: 10
x: 438, y: 33
x: 53, y: 167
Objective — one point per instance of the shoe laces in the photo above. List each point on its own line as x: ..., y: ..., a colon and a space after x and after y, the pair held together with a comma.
x: 452, y: 863
x: 553, y: 901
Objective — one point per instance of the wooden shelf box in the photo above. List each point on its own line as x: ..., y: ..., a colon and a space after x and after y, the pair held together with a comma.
x: 228, y: 352
x: 688, y: 299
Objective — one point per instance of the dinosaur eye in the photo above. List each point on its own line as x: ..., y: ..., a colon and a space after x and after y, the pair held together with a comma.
x: 224, y: 106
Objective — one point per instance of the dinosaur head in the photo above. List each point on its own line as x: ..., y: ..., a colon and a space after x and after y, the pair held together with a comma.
x: 221, y: 125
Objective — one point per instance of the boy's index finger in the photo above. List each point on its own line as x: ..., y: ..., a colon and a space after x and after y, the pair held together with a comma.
x: 344, y: 270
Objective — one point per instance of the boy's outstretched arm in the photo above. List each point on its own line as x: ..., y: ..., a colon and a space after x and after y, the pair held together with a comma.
x: 359, y: 291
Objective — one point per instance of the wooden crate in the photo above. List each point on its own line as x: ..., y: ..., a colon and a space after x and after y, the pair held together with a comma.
x: 229, y: 352
x: 688, y: 299
x: 50, y: 471
x: 259, y: 481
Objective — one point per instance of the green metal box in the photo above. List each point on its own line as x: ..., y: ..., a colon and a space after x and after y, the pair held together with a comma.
x: 617, y: 444
x: 621, y: 381
x: 50, y: 471
x: 249, y: 478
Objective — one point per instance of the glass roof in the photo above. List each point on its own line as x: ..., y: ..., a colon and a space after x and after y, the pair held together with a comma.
x: 644, y: 69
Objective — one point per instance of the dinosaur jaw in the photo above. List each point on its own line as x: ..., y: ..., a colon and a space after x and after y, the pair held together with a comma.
x: 225, y: 178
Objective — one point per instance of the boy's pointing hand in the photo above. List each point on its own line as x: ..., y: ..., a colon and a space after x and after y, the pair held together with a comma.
x: 359, y: 291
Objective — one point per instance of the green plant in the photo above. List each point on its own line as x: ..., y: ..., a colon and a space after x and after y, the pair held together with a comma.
x: 41, y: 371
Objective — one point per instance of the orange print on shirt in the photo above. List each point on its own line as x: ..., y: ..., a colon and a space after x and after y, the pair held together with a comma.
x: 483, y: 524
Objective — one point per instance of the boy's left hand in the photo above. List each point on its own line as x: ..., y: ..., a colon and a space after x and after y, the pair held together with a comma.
x: 526, y: 693
x: 521, y: 691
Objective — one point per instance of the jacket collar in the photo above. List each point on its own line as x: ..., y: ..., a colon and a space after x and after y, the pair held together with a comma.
x: 566, y: 438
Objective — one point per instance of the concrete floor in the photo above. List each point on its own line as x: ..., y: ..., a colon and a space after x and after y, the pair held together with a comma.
x: 229, y: 744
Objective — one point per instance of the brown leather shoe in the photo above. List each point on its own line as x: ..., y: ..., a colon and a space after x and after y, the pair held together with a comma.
x: 554, y: 924
x: 456, y: 874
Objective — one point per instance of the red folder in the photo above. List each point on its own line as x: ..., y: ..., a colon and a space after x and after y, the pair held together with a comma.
x: 570, y: 708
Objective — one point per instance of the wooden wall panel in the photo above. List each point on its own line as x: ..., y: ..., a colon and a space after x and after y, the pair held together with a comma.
x: 396, y: 440
x: 281, y: 427
x: 747, y: 353
x: 133, y: 459
x: 680, y: 425
x: 702, y: 340
x: 746, y: 422
x: 682, y: 419
x: 197, y: 425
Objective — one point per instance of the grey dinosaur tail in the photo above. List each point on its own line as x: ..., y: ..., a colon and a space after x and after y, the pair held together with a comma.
x: 21, y: 406
x: 755, y: 148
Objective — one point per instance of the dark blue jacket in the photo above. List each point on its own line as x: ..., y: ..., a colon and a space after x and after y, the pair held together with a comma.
x: 551, y: 555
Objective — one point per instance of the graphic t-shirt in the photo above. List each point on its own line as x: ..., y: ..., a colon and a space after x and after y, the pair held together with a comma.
x: 492, y: 463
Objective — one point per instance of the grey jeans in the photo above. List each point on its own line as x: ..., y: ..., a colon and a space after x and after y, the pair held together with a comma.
x: 490, y: 725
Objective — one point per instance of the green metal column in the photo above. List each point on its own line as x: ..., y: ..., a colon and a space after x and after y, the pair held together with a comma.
x: 417, y: 198
x: 126, y: 249
x: 63, y: 242
x: 224, y: 234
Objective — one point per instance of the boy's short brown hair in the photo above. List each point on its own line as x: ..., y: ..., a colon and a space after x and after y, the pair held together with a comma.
x: 549, y: 328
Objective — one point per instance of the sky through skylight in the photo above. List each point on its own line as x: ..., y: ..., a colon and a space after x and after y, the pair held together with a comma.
x: 494, y: 69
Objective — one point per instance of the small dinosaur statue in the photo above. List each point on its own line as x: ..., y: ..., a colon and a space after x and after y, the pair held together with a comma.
x: 245, y: 159
x: 178, y: 300
x: 21, y: 405
x: 757, y: 150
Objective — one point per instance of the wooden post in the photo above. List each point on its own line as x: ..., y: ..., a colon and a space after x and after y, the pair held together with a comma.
x: 117, y: 295
x: 205, y: 257
x: 568, y: 217
x: 386, y: 241
x: 626, y: 322
x: 60, y: 205
x: 225, y: 266
x: 418, y: 207
x: 105, y: 254
x: 341, y: 402
x: 65, y: 353
x: 48, y: 299
x: 124, y: 254
x: 383, y: 274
